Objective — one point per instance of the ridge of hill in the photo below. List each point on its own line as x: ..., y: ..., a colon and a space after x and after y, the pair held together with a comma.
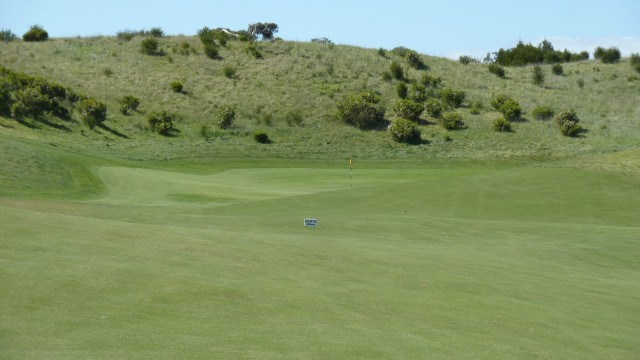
x: 309, y: 79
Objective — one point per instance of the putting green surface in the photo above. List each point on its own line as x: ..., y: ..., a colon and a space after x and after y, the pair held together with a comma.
x: 459, y: 262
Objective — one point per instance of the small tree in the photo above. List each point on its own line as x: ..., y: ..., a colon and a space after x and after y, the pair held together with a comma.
x: 7, y: 35
x: 265, y: 30
x: 226, y: 115
x: 361, y: 111
x: 92, y: 112
x: 406, y: 131
x: 408, y: 109
x: 496, y: 69
x: 36, y: 33
x: 156, y: 32
x: 607, y: 56
x: 557, y: 69
x: 160, y: 122
x: 537, y: 76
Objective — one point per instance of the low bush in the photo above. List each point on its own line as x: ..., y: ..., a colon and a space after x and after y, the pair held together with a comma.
x: 125, y: 35
x: 414, y: 60
x: 501, y: 125
x: 402, y: 90
x: 92, y: 112
x: 361, y: 111
x: 567, y: 121
x: 466, y: 60
x: 177, y: 86
x: 253, y: 50
x: 294, y: 117
x: 496, y: 69
x: 149, y: 46
x: 452, y: 120
x: 405, y: 131
x: 396, y: 70
x: 498, y: 100
x: 160, y: 122
x: 433, y: 108
x: 557, y: 69
x: 634, y: 60
x: 431, y: 81
x: 129, y: 103
x: 156, y: 32
x: 418, y: 93
x: 510, y: 109
x: 408, y: 109
x: 261, y: 137
x: 542, y: 112
x: 225, y: 117
x: 229, y: 71
x: 36, y: 33
x: 451, y: 97
x: 31, y: 102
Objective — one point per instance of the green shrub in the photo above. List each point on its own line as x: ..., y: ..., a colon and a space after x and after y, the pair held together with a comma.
x: 498, y: 100
x: 557, y: 69
x: 501, y: 125
x: 149, y: 46
x: 580, y: 83
x: 125, y: 35
x: 30, y: 101
x: 253, y: 50
x: 607, y: 56
x: 510, y: 109
x: 229, y: 71
x: 5, y: 96
x: 414, y: 60
x: 156, y: 32
x: 433, y: 108
x: 537, y: 75
x: 475, y: 108
x: 225, y: 117
x: 402, y: 90
x: 294, y: 117
x: 7, y: 35
x: 452, y: 120
x: 567, y: 121
x: 92, y: 112
x: 451, y: 97
x: 208, y: 38
x: 466, y: 60
x: 496, y: 69
x: 36, y: 33
x: 129, y: 103
x: 177, y: 86
x: 382, y: 52
x: 431, y: 81
x: 418, y: 93
x: 386, y: 76
x: 261, y: 137
x: 405, y: 131
x: 211, y: 50
x: 160, y: 122
x: 361, y: 111
x: 396, y: 70
x: 408, y: 109
x: 634, y: 60
x: 542, y: 112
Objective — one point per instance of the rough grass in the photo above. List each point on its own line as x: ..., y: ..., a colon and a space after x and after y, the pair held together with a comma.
x: 467, y: 260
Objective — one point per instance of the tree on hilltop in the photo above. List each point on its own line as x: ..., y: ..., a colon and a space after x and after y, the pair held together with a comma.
x: 266, y: 30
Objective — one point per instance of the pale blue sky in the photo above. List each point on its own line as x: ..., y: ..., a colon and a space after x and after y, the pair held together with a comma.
x: 441, y: 28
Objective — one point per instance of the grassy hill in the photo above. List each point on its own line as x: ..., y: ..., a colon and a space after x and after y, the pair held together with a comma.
x: 311, y: 78
x: 117, y: 242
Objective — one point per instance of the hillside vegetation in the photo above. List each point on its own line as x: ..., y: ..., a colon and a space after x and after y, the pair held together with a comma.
x: 291, y: 93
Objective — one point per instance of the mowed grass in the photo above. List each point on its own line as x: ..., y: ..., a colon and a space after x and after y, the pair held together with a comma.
x: 410, y: 260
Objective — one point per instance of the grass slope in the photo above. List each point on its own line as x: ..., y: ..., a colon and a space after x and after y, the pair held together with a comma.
x: 444, y: 261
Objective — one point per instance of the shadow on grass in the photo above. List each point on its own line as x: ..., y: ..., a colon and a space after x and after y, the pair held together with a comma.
x: 113, y: 131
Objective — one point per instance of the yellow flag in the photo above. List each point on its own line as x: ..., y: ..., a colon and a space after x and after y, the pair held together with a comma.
x: 349, y: 161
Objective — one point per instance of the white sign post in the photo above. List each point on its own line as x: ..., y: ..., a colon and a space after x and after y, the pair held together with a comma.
x: 308, y: 222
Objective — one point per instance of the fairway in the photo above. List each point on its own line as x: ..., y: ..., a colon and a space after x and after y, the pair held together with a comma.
x: 407, y: 261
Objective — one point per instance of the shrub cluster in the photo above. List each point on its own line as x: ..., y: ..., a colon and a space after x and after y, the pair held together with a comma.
x: 129, y: 103
x: 414, y: 60
x: 225, y: 117
x: 406, y: 131
x: 567, y: 121
x: 7, y: 35
x: 419, y: 93
x: 634, y: 60
x: 408, y: 109
x: 433, y: 108
x: 361, y: 111
x: 253, y: 50
x: 608, y: 56
x: 524, y: 54
x: 452, y: 120
x: 212, y: 39
x: 542, y: 112
x: 36, y: 33
x: 149, y: 46
x: 160, y: 122
x: 322, y: 40
x: 496, y: 69
x: 396, y: 70
x: 431, y: 81
x: 466, y: 60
